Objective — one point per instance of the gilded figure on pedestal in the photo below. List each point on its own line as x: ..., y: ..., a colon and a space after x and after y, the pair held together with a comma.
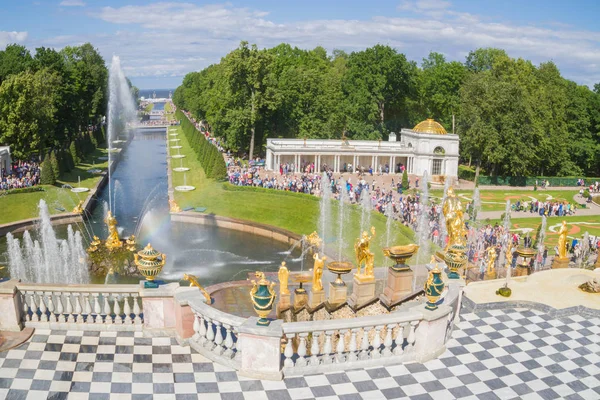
x: 317, y: 283
x: 112, y: 241
x: 562, y: 240
x: 283, y: 276
x: 454, y: 216
x: 364, y: 255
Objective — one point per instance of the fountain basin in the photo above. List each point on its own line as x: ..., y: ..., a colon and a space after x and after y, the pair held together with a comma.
x: 118, y: 141
x: 95, y: 171
x: 340, y: 268
x: 176, y: 147
x: 80, y: 190
x: 174, y: 140
x: 103, y: 158
x: 185, y: 188
x: 399, y: 254
x: 181, y: 169
x: 174, y: 134
x: 178, y: 156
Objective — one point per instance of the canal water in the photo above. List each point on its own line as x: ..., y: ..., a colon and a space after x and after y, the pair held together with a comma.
x: 140, y: 204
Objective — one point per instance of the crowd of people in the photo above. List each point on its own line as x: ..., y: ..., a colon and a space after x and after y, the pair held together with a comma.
x: 21, y: 175
x: 548, y: 208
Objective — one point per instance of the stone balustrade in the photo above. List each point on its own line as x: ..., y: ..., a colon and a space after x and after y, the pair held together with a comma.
x: 81, y: 307
x: 316, y: 346
x: 216, y: 333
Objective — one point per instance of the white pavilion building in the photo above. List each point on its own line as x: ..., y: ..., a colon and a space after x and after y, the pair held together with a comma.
x: 426, y: 147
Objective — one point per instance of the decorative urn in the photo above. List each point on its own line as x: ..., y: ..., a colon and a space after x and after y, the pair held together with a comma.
x: 434, y: 288
x: 399, y: 255
x: 340, y: 268
x: 149, y: 263
x: 455, y: 258
x: 262, y: 296
x: 526, y: 253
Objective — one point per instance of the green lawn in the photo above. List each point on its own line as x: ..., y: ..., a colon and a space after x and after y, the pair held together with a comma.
x: 577, y: 225
x: 297, y: 213
x: 24, y: 205
x: 169, y: 114
x: 495, y: 200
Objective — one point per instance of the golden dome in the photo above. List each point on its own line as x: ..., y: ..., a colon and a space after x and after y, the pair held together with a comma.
x: 430, y: 126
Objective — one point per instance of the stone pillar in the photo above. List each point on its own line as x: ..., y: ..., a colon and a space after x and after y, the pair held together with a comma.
x: 431, y: 332
x: 10, y: 307
x: 318, y: 166
x: 159, y: 309
x: 560, y: 263
x: 392, y: 166
x: 363, y: 291
x: 261, y: 349
x: 269, y: 161
x: 398, y: 286
x: 184, y: 316
x: 337, y: 293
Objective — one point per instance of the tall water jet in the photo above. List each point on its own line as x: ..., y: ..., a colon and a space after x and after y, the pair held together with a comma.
x: 441, y: 219
x: 423, y: 230
x: 341, y: 218
x: 121, y: 111
x: 506, y: 234
x: 366, y: 207
x: 476, y: 205
x: 48, y: 259
x: 325, y: 211
x: 584, y: 250
x: 540, y: 241
x: 389, y: 213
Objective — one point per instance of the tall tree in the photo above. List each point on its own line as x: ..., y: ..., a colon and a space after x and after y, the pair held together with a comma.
x: 27, y: 111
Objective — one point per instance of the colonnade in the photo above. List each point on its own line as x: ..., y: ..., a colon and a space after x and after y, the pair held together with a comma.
x: 336, y: 161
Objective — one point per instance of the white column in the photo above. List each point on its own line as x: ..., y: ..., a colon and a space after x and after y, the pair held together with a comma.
x: 316, y: 162
x: 269, y: 161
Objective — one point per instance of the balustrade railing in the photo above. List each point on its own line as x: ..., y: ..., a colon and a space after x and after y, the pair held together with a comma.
x: 216, y: 334
x: 359, y: 340
x: 88, y: 306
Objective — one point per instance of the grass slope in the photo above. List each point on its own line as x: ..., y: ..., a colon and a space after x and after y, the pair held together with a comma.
x: 298, y: 213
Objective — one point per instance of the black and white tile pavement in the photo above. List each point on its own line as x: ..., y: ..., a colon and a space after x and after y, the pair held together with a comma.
x: 496, y: 354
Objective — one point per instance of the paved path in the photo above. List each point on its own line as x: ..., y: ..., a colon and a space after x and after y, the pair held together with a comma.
x: 499, y: 354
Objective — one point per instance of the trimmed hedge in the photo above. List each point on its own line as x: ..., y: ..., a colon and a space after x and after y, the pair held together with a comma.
x: 466, y: 173
x: 210, y: 157
x: 234, y: 188
x: 30, y: 189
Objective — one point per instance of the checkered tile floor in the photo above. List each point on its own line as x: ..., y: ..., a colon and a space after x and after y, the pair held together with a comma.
x: 509, y: 354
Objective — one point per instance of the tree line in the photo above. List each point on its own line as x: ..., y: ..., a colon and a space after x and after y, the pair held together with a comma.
x: 513, y: 117
x: 51, y: 102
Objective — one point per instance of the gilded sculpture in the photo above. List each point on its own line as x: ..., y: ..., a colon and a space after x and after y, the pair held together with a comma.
x: 78, y: 208
x: 454, y: 215
x: 194, y: 283
x: 364, y: 255
x: 314, y: 240
x: 112, y: 241
x: 173, y: 207
x: 491, y: 253
x: 562, y: 240
x: 317, y: 283
x: 283, y: 276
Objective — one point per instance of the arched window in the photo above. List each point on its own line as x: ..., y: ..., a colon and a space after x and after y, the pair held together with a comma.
x: 439, y: 150
x: 409, y: 144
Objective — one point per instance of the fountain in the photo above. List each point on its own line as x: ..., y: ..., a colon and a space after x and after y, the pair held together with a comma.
x: 47, y: 259
x: 366, y: 210
x: 325, y: 222
x: 422, y: 231
x: 185, y: 187
x: 121, y: 110
x: 79, y: 189
x: 540, y: 239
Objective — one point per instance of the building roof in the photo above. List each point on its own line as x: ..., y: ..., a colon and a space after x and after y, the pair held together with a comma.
x: 430, y: 126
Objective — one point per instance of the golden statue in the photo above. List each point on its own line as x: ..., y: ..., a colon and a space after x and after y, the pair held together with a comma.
x: 314, y: 240
x: 364, y: 255
x: 562, y: 240
x: 112, y: 241
x: 454, y: 216
x: 94, y: 244
x: 173, y: 207
x: 491, y: 252
x: 194, y: 283
x: 131, y: 243
x: 317, y: 283
x: 79, y: 208
x: 283, y: 275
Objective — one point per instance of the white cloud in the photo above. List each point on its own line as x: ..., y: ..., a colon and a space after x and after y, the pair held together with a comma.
x: 174, y: 38
x: 11, y: 37
x: 72, y: 3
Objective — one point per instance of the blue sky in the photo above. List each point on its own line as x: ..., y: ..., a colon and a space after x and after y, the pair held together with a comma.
x: 159, y: 42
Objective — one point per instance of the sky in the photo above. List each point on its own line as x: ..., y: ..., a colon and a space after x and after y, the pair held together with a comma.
x: 159, y: 42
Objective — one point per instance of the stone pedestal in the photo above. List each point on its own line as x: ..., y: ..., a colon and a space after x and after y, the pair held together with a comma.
x: 490, y: 275
x: 560, y: 263
x: 521, y: 270
x: 284, y: 302
x: 337, y: 294
x: 363, y: 291
x: 300, y: 298
x: 399, y: 285
x: 317, y: 297
x: 159, y: 309
x: 431, y: 332
x: 261, y: 349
